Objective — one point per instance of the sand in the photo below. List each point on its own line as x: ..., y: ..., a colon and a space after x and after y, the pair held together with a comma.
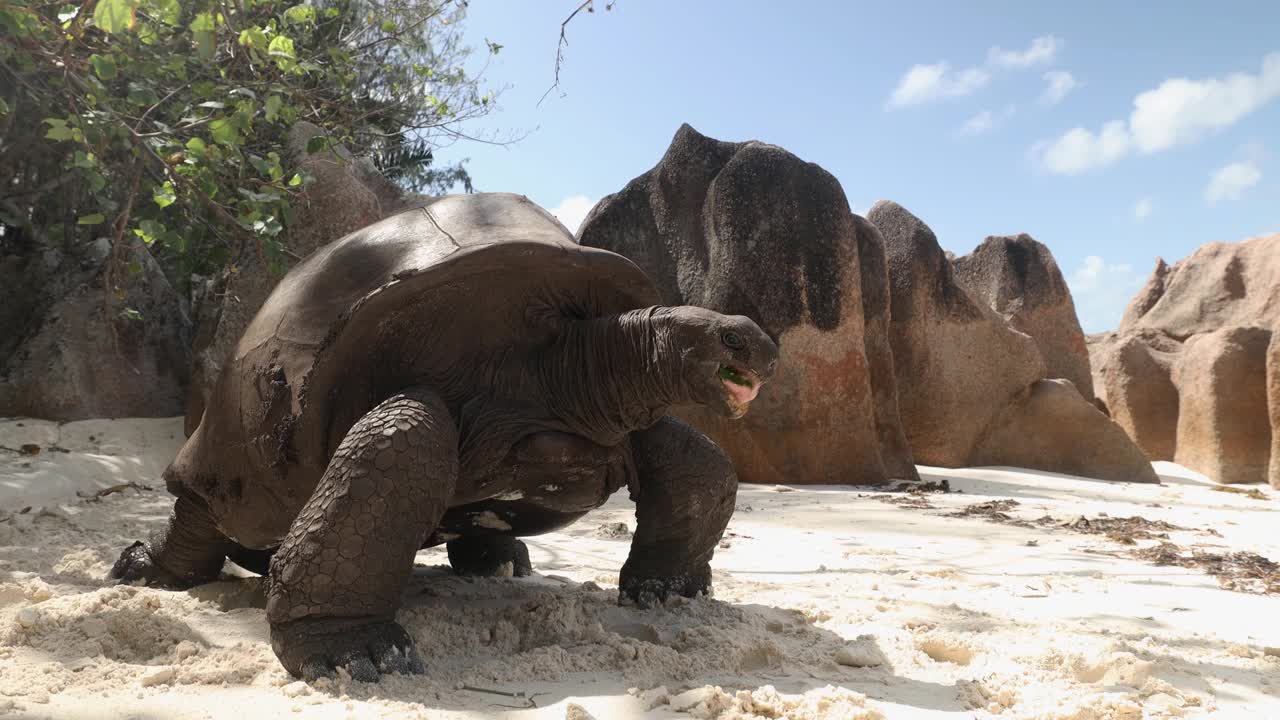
x: 831, y: 602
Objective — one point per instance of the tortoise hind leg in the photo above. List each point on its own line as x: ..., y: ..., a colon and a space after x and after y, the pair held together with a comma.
x: 336, y: 581
x: 492, y: 556
x: 684, y: 494
x: 481, y: 537
x: 187, y: 551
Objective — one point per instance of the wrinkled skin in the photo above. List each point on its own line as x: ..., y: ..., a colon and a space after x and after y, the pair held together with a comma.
x: 590, y: 417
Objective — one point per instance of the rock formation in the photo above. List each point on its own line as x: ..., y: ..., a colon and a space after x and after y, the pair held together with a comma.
x: 748, y: 228
x: 1137, y: 373
x: 1224, y: 430
x: 91, y: 330
x: 1188, y: 373
x: 1273, y: 405
x: 1018, y: 278
x: 974, y: 390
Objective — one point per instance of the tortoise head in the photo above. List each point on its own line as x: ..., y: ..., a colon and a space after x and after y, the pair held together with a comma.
x: 724, y: 358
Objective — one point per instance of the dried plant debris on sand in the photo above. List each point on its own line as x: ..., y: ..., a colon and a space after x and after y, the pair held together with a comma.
x: 1254, y: 493
x: 1239, y: 571
x: 914, y: 493
x: 1126, y: 531
x: 993, y: 511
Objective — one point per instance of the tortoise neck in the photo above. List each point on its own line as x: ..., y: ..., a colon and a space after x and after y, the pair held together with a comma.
x: 609, y: 376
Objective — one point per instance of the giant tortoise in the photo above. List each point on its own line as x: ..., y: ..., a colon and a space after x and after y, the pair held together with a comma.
x: 460, y: 373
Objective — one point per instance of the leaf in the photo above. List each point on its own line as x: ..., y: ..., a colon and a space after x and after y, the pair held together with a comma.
x: 295, y: 181
x: 274, y: 102
x: 4, y: 106
x: 214, y: 104
x: 224, y: 132
x: 202, y: 28
x: 113, y: 16
x: 260, y: 165
x: 96, y: 180
x: 92, y: 219
x: 203, y: 23
x: 58, y: 129
x: 315, y: 144
x: 68, y: 14
x: 197, y: 147
x: 169, y: 11
x: 300, y: 14
x: 266, y: 197
x: 389, y: 26
x: 281, y: 50
x: 142, y: 95
x: 149, y: 231
x: 164, y: 195
x: 103, y: 66
x: 130, y: 314
x: 135, y: 268
x: 255, y: 38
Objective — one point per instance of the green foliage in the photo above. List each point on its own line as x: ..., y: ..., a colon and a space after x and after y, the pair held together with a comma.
x: 168, y: 119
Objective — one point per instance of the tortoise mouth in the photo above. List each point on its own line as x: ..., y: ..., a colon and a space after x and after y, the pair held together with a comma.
x: 741, y: 386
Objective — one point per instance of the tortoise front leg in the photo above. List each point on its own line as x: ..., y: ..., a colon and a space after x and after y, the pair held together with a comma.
x: 337, y: 579
x: 187, y: 551
x: 684, y: 494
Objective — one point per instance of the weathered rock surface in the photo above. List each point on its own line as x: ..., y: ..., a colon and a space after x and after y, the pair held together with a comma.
x: 748, y: 228
x: 1219, y: 285
x: 1018, y: 277
x: 1224, y: 428
x: 95, y: 340
x: 972, y: 389
x: 1134, y: 372
x: 1273, y: 404
x: 1187, y: 371
x: 347, y: 194
x: 1051, y: 427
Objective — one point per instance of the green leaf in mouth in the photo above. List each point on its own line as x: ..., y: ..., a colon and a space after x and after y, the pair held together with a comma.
x: 730, y: 374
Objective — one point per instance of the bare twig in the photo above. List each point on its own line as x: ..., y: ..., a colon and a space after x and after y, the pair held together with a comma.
x: 518, y: 695
x: 589, y: 6
x: 95, y: 496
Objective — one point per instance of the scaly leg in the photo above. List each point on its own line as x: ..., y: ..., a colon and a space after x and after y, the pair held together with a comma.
x: 337, y: 579
x: 187, y: 551
x: 684, y: 496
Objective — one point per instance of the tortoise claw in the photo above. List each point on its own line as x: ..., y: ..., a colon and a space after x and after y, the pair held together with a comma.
x: 136, y: 564
x: 313, y: 648
x: 647, y: 592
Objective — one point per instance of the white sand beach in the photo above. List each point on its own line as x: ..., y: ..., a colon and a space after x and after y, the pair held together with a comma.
x: 831, y: 602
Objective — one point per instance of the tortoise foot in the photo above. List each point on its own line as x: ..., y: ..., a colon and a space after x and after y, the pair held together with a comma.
x: 494, y: 556
x: 136, y: 565
x: 313, y: 648
x: 646, y: 592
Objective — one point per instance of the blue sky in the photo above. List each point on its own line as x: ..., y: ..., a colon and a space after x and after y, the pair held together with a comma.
x: 1112, y: 132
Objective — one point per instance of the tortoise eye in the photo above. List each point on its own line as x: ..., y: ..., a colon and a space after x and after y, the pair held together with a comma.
x: 732, y: 340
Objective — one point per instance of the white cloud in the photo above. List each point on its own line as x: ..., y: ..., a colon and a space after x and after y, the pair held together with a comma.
x: 1101, y: 291
x: 1041, y: 52
x: 979, y: 123
x: 1080, y: 150
x: 1179, y: 111
x: 985, y: 121
x: 1058, y: 84
x: 1142, y: 210
x: 926, y: 83
x: 572, y: 211
x: 1231, y: 182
